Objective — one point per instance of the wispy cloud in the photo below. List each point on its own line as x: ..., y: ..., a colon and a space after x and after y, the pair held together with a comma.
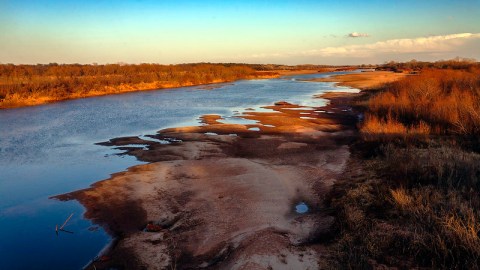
x: 432, y: 47
x: 357, y: 35
x: 431, y: 44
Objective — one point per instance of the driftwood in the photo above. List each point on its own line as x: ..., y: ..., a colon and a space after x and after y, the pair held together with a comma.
x: 57, y: 229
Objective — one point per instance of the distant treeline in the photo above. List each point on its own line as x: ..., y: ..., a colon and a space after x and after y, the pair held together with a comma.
x: 23, y: 85
x: 34, y: 84
x: 270, y: 67
x: 415, y: 66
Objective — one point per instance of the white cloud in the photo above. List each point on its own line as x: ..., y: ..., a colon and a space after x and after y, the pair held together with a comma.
x: 431, y: 44
x: 357, y: 35
x: 430, y: 48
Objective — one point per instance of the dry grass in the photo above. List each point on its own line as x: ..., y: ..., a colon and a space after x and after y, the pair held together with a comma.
x: 379, y: 129
x: 384, y: 224
x: 401, y: 198
x: 23, y: 85
x: 443, y: 166
x: 411, y: 197
x: 435, y: 102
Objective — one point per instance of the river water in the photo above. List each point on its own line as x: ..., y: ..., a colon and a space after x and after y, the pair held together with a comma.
x: 50, y: 149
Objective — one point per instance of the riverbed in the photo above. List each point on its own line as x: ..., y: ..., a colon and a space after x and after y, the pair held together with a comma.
x: 50, y: 149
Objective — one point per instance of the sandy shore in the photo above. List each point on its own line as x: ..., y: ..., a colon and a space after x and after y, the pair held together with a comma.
x: 224, y: 196
x: 364, y: 80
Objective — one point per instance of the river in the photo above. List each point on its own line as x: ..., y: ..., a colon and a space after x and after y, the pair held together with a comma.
x: 50, y: 149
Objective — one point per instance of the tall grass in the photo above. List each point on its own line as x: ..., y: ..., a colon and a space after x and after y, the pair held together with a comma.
x: 410, y: 210
x: 435, y: 102
x: 441, y: 165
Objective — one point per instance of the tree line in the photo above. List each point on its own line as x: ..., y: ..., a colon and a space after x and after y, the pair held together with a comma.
x: 31, y: 84
x: 416, y: 66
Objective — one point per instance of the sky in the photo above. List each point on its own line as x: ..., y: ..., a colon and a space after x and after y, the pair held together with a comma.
x: 244, y: 31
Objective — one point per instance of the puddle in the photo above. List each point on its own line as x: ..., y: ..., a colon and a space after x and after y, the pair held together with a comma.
x: 254, y: 129
x: 301, y: 208
x: 211, y: 133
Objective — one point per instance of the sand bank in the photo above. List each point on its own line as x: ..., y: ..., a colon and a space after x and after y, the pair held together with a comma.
x: 364, y: 80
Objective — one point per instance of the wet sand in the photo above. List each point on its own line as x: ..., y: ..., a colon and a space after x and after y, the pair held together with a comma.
x: 364, y: 80
x: 223, y: 196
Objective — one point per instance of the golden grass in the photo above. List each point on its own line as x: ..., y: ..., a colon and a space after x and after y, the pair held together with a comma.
x: 401, y: 197
x: 465, y: 230
x: 436, y: 101
x: 376, y: 128
x: 25, y: 85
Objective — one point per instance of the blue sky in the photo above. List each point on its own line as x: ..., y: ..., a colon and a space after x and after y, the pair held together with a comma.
x: 290, y: 32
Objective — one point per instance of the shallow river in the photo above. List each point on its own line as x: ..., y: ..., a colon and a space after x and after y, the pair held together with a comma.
x: 48, y: 150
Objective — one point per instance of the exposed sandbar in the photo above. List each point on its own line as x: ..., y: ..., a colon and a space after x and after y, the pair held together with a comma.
x: 364, y: 80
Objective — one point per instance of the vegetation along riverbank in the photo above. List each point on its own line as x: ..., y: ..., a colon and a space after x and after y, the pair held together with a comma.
x: 410, y: 194
x: 27, y: 85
